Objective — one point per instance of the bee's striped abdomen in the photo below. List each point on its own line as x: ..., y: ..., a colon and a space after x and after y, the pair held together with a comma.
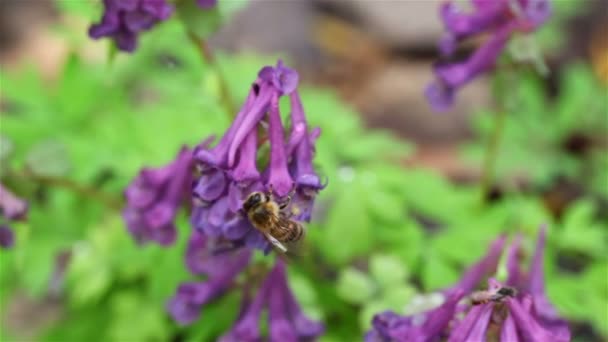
x: 288, y: 231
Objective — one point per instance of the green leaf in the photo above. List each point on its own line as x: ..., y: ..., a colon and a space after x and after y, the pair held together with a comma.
x: 354, y: 286
x: 203, y: 22
x: 369, y: 310
x: 437, y: 273
x: 48, y: 158
x: 347, y: 233
x: 387, y: 271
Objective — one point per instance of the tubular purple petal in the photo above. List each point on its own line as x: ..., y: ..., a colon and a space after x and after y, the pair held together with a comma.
x: 247, y: 328
x: 455, y: 75
x: 250, y: 119
x: 527, y: 325
x: 485, y: 18
x: 479, y: 329
x: 304, y: 327
x: 438, y: 319
x: 536, y: 279
x: 278, y: 176
x: 508, y: 332
x: 218, y: 155
x: 304, y: 171
x: 440, y: 96
x: 514, y: 272
x: 246, y: 169
x: 461, y: 331
x: 211, y: 185
x: 484, y: 267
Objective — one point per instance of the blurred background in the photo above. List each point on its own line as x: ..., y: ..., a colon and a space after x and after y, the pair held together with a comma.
x: 81, y: 127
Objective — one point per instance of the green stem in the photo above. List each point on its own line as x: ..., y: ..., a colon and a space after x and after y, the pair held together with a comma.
x: 491, y: 154
x: 209, y: 58
x: 80, y: 189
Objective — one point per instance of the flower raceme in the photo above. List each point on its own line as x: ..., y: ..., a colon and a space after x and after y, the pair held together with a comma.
x: 526, y: 316
x: 124, y: 20
x: 500, y: 19
x: 12, y: 208
x: 229, y: 170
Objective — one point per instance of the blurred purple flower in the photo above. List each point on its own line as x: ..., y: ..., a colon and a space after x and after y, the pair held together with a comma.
x: 528, y: 316
x: 186, y: 305
x: 206, y: 4
x: 7, y: 239
x: 12, y: 208
x: 124, y: 20
x: 287, y: 322
x: 154, y: 197
x: 498, y: 18
x: 229, y: 170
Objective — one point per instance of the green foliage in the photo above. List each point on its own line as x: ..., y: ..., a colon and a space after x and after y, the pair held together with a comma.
x: 545, y: 139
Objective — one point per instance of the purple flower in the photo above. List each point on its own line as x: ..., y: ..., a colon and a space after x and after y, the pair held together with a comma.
x: 206, y: 4
x: 186, y: 305
x: 229, y: 170
x: 123, y: 20
x: 498, y: 18
x: 7, y: 239
x: 12, y: 208
x: 287, y: 322
x: 154, y: 198
x: 525, y: 316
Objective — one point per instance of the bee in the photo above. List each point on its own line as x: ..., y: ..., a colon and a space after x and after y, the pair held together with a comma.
x: 497, y: 296
x: 270, y: 218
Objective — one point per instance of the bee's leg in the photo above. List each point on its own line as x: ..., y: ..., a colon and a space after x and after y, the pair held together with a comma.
x: 288, y: 199
x: 270, y: 193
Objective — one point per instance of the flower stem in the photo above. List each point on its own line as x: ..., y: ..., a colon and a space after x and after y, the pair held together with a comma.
x: 491, y: 154
x: 80, y: 189
x: 209, y: 58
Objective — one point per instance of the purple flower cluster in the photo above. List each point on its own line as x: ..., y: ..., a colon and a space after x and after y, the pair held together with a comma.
x: 286, y: 319
x: 528, y: 316
x: 155, y: 196
x: 498, y: 18
x: 12, y: 208
x: 124, y: 20
x: 229, y: 170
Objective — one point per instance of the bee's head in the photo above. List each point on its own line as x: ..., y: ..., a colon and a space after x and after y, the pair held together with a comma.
x: 254, y: 199
x: 507, y: 291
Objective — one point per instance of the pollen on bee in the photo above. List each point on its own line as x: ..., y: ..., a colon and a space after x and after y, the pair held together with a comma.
x: 295, y: 210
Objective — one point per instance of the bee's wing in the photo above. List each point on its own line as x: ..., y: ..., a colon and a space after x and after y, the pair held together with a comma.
x: 276, y: 243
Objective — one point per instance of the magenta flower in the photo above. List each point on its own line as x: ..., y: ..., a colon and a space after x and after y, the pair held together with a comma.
x: 498, y: 18
x: 155, y: 196
x: 229, y: 170
x: 525, y: 315
x: 12, y: 208
x: 124, y: 20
